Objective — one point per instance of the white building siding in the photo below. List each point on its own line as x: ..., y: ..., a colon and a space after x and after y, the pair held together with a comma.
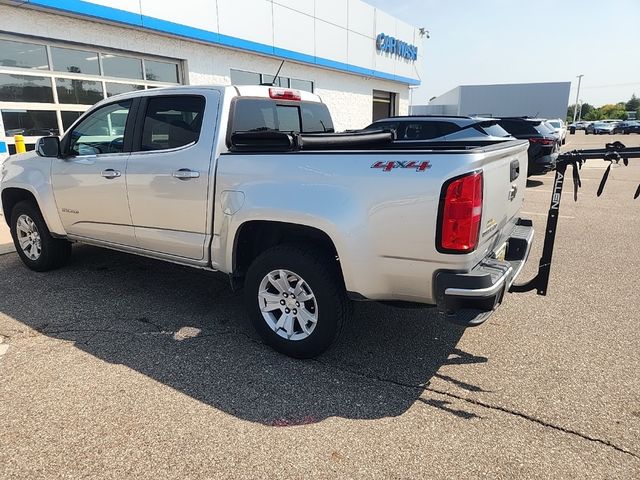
x: 349, y: 96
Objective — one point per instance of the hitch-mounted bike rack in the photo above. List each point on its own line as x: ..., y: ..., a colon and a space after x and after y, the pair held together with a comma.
x: 613, y: 153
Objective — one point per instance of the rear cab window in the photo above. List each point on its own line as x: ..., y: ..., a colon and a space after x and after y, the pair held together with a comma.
x: 261, y: 114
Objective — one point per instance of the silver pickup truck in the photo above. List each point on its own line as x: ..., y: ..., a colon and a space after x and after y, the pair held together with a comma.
x: 252, y: 182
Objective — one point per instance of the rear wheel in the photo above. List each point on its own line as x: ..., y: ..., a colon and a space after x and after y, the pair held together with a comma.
x: 37, y: 249
x: 296, y: 300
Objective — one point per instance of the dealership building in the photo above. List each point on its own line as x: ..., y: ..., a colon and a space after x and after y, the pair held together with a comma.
x: 59, y: 57
x: 544, y: 100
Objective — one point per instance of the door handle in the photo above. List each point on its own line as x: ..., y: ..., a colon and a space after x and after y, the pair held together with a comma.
x: 110, y: 173
x: 185, y: 174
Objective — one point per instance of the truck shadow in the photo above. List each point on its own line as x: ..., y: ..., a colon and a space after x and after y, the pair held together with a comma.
x: 186, y: 329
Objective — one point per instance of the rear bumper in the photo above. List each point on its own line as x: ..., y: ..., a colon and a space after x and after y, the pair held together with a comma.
x: 542, y: 164
x: 470, y: 298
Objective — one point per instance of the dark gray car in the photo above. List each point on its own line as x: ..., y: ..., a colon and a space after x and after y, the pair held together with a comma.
x: 426, y: 128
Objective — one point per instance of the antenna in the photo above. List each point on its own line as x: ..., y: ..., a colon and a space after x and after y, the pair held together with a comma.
x: 273, y: 82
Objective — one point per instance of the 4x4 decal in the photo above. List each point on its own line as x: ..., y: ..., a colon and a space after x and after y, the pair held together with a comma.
x: 388, y: 166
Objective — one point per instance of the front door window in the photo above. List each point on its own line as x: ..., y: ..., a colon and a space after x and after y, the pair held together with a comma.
x: 102, y: 131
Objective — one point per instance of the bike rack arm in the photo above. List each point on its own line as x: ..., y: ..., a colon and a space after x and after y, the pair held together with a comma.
x: 613, y: 152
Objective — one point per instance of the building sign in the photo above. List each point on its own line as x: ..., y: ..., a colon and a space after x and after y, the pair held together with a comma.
x: 385, y: 43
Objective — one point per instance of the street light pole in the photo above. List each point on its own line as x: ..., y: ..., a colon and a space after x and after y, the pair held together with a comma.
x: 580, y: 111
x: 575, y: 107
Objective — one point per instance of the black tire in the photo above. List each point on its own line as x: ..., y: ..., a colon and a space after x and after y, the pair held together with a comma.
x: 322, y: 276
x: 54, y: 252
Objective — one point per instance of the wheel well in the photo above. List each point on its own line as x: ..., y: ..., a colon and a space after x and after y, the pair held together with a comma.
x: 11, y: 196
x: 256, y: 236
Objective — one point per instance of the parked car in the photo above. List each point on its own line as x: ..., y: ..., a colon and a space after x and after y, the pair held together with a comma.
x: 580, y: 125
x: 221, y: 178
x: 560, y: 128
x: 543, y: 142
x: 426, y: 128
x: 598, y: 128
x: 626, y: 127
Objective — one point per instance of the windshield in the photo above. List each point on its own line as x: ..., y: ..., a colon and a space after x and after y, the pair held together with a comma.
x: 554, y: 123
x: 544, y: 128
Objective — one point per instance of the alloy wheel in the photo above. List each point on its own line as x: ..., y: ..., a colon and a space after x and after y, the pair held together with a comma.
x: 288, y: 305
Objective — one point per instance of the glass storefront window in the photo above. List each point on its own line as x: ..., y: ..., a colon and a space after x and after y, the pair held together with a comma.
x: 280, y: 81
x: 30, y: 123
x: 240, y: 77
x: 305, y: 85
x: 23, y: 55
x: 68, y: 118
x: 84, y: 92
x: 161, y: 71
x: 25, y: 88
x: 122, y: 67
x: 75, y: 61
x: 116, y: 88
x: 33, y: 73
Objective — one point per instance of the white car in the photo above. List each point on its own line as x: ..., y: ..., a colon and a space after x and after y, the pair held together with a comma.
x: 560, y: 128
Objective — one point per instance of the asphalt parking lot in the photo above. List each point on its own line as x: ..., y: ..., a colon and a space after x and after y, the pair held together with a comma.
x: 122, y: 367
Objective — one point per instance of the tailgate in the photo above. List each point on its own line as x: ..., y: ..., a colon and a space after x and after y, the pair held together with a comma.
x: 505, y: 180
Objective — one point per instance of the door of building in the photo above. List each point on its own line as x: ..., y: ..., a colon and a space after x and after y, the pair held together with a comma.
x: 384, y: 104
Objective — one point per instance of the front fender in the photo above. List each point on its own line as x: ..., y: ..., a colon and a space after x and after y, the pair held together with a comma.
x: 32, y: 173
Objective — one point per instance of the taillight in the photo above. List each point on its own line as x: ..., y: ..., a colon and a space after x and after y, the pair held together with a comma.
x: 460, y: 214
x: 542, y: 141
x: 284, y: 94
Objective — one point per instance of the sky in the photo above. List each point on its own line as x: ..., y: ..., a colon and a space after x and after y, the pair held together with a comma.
x: 517, y: 41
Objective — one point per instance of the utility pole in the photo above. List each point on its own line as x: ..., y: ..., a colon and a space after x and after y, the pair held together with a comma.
x: 580, y: 111
x: 575, y: 107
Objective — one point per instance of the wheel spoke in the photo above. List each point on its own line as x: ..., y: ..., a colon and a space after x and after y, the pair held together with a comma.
x: 303, y: 325
x: 275, y: 282
x: 304, y: 296
x: 305, y: 317
x: 269, y: 302
x: 283, y: 281
x: 282, y: 320
x: 22, y: 225
x: 288, y: 325
x: 24, y: 242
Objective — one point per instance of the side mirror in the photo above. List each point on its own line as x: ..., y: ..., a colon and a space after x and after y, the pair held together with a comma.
x: 48, y: 147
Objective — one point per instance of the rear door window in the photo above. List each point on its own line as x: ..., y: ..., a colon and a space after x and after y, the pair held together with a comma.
x: 172, y: 122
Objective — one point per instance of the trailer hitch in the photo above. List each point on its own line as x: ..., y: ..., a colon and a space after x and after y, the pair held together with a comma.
x: 613, y: 153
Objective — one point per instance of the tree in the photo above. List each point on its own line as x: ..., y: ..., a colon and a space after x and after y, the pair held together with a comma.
x: 582, y: 113
x: 594, y: 114
x: 616, y: 111
x: 633, y: 104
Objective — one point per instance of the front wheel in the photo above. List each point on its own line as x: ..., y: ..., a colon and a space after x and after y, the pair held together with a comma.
x: 37, y: 249
x: 296, y: 300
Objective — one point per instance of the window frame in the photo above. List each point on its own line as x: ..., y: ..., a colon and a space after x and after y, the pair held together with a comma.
x: 129, y: 130
x: 141, y: 114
